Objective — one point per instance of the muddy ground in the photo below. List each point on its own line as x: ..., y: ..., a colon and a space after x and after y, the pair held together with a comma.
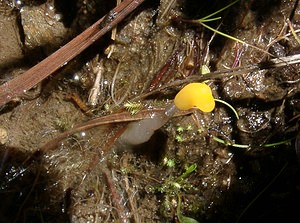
x: 198, y: 167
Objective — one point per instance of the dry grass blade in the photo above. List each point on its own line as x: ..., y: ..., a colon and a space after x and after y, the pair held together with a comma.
x: 17, y: 86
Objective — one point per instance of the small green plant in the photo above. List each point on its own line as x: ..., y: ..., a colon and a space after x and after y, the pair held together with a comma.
x: 180, y: 132
x: 63, y: 123
x: 169, y: 162
x: 180, y: 129
x: 133, y: 107
x: 173, y: 185
x: 179, y: 138
x: 208, y: 18
x: 200, y: 130
x: 189, y: 127
x: 181, y: 217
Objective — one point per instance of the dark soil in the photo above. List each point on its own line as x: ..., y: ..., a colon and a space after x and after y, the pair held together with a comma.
x: 205, y: 167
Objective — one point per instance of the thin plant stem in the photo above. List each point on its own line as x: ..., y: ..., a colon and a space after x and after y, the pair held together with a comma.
x: 222, y: 9
x: 228, y: 105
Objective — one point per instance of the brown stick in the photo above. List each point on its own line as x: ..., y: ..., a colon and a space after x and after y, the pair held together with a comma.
x: 116, y: 196
x: 104, y: 120
x: 22, y: 83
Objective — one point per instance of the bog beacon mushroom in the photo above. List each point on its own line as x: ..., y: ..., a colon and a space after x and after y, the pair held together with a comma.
x: 197, y: 95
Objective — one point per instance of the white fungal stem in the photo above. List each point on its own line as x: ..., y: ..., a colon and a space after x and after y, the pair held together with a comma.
x: 141, y: 131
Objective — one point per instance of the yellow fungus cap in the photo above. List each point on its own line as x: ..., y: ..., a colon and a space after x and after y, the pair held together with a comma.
x: 195, y: 95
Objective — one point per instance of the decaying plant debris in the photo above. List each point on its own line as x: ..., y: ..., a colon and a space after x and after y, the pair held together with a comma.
x: 59, y: 161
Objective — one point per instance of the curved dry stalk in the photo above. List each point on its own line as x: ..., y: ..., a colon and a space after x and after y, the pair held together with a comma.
x: 105, y: 120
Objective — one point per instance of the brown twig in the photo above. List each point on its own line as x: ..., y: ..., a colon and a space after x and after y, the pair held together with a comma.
x: 169, y: 67
x: 116, y: 197
x: 109, y: 119
x: 22, y: 83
